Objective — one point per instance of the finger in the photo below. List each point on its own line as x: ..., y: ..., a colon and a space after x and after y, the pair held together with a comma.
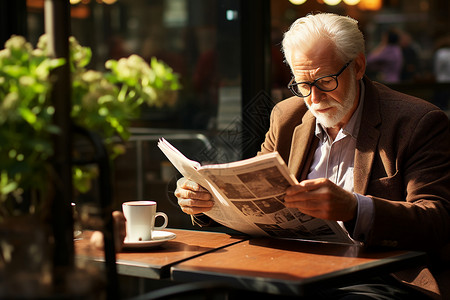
x: 311, y: 206
x: 302, y: 195
x: 298, y: 196
x: 186, y: 183
x: 195, y: 203
x: 295, y: 189
x: 306, y: 204
x: 181, y: 193
x: 194, y: 210
x: 194, y: 207
x: 306, y: 186
x: 183, y: 183
x: 316, y: 214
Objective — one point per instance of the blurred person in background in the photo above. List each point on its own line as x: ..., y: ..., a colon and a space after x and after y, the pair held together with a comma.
x: 442, y: 60
x: 410, y: 51
x: 441, y: 69
x: 386, y: 60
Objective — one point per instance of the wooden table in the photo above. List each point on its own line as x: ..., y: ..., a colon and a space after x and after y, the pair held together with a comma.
x: 273, y: 266
x: 155, y: 263
x: 290, y: 267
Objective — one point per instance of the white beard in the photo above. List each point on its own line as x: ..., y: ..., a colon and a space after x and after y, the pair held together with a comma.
x: 331, y: 119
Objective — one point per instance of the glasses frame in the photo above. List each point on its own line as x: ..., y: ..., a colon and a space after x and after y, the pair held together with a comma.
x: 292, y: 83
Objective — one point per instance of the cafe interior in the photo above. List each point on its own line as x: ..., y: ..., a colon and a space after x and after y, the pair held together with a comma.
x: 226, y: 71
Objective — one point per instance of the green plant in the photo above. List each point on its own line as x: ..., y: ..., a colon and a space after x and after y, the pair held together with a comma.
x: 104, y: 102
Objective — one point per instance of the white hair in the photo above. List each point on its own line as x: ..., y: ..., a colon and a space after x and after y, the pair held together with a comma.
x: 341, y: 31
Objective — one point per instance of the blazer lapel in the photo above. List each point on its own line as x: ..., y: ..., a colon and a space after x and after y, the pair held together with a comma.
x: 367, y: 141
x: 302, y: 141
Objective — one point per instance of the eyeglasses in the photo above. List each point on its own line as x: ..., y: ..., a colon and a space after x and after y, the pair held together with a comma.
x: 325, y: 84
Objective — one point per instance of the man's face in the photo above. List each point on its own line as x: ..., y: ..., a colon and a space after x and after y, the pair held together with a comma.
x: 335, y: 108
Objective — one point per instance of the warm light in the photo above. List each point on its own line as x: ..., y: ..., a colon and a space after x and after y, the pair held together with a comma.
x: 297, y: 2
x: 351, y: 2
x: 332, y: 2
x: 371, y: 4
x: 74, y: 2
x: 424, y: 6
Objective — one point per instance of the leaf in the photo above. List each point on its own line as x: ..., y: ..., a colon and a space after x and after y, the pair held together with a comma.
x: 28, y: 115
x: 8, y: 188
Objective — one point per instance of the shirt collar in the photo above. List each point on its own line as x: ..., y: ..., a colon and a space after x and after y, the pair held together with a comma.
x: 352, y: 127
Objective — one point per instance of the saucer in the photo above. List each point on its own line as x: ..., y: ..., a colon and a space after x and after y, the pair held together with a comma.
x: 158, y: 237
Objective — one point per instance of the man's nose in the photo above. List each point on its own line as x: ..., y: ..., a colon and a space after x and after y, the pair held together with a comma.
x: 316, y: 95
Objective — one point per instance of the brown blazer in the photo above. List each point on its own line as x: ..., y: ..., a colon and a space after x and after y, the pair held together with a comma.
x: 402, y: 161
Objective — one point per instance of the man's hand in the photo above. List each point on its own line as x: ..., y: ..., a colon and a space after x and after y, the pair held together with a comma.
x: 322, y: 199
x: 192, y: 198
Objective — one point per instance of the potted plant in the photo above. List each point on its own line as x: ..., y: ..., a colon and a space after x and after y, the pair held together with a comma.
x: 103, y: 102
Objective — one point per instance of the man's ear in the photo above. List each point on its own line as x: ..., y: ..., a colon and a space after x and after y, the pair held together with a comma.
x: 360, y: 65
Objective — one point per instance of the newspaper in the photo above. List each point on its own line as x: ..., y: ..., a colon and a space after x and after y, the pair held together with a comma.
x: 248, y: 197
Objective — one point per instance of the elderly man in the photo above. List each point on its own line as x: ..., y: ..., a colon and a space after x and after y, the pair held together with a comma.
x: 373, y: 158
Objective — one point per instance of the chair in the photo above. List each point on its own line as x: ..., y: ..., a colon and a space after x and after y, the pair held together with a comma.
x: 101, y: 159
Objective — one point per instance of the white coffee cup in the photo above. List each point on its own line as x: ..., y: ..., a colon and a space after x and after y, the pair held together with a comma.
x: 140, y: 216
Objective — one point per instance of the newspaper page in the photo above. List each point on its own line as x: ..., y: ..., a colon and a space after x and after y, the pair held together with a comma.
x: 248, y: 197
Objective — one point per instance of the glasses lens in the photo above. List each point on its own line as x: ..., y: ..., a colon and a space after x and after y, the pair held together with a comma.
x: 302, y: 89
x: 327, y: 84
